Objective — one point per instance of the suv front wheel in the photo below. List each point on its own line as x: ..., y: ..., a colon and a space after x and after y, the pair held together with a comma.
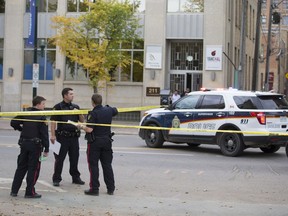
x: 154, y: 138
x: 231, y: 144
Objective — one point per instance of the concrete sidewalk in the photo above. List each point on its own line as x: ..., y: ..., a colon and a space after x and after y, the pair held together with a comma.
x: 120, y: 127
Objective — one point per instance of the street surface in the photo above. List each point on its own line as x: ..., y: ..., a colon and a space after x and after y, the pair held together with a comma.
x: 174, y: 180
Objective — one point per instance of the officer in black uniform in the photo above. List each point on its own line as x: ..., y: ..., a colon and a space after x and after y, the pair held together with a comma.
x: 99, y: 140
x: 33, y: 138
x: 68, y: 136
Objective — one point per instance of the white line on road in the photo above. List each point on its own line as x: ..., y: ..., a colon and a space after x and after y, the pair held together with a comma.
x: 54, y: 189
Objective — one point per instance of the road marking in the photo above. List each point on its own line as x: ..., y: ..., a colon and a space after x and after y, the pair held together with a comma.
x: 44, y: 183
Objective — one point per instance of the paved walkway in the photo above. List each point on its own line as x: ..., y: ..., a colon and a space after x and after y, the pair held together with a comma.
x: 120, y: 127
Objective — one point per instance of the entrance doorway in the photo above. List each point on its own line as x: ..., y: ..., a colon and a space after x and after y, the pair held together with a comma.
x: 180, y: 82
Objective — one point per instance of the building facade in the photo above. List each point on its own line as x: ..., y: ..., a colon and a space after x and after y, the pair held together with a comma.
x: 185, y: 45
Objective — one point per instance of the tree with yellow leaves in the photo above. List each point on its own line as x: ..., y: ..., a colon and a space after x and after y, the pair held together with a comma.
x: 93, y: 39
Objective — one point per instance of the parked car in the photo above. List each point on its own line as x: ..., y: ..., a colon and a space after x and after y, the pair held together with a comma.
x: 232, y: 119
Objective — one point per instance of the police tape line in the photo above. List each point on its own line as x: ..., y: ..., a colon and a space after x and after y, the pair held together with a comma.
x: 69, y: 112
x: 162, y: 128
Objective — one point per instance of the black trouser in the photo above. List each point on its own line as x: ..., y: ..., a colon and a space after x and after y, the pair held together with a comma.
x: 69, y: 145
x: 100, y: 149
x: 27, y: 162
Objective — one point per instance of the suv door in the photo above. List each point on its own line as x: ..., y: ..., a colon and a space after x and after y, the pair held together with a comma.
x: 181, y: 115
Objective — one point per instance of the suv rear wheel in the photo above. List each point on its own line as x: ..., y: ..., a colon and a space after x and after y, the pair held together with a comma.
x: 270, y: 149
x: 231, y: 144
x: 154, y: 138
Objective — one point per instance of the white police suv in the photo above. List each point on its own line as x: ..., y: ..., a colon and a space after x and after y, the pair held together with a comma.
x: 232, y: 119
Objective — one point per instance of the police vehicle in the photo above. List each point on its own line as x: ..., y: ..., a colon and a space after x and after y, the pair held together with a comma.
x: 232, y: 119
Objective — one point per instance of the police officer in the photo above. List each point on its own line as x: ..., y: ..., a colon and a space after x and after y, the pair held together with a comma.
x: 33, y: 138
x: 99, y: 140
x: 68, y: 136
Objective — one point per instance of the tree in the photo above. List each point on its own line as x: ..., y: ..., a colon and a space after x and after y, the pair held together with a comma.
x: 93, y: 39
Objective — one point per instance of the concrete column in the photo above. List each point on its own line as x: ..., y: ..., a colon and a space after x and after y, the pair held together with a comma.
x: 13, y: 55
x: 60, y: 59
x: 154, y: 34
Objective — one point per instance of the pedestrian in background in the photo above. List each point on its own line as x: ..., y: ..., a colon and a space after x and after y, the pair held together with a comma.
x: 99, y: 145
x: 68, y: 136
x: 175, y: 96
x: 186, y: 92
x: 33, y: 138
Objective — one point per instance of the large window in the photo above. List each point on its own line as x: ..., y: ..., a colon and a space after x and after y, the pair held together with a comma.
x: 78, y: 5
x: 134, y: 71
x: 187, y: 55
x: 44, y: 5
x: 81, y: 6
x: 75, y: 71
x: 189, y: 6
x: 139, y: 3
x: 46, y: 57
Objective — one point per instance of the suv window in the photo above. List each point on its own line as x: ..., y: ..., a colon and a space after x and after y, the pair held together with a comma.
x: 212, y: 102
x: 273, y: 102
x: 188, y: 102
x: 261, y: 102
x: 247, y: 102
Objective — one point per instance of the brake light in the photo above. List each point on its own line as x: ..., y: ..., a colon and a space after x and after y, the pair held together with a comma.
x: 261, y: 117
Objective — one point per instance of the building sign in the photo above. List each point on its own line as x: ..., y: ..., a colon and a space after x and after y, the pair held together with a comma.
x: 213, y: 58
x: 152, y: 91
x: 153, y: 57
x: 32, y: 23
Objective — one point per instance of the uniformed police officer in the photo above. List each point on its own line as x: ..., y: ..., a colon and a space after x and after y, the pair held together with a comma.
x: 99, y: 140
x: 68, y: 136
x: 33, y: 138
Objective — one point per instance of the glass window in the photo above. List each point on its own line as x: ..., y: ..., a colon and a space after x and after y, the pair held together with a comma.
x: 188, y: 102
x: 190, y: 6
x: 212, y: 102
x: 46, y: 57
x: 2, y: 6
x: 285, y: 20
x: 75, y: 71
x: 139, y: 3
x: 247, y: 102
x: 44, y: 6
x: 78, y: 5
x: 187, y: 55
x: 132, y: 72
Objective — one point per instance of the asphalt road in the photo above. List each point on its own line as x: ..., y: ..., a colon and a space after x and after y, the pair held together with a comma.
x: 174, y: 180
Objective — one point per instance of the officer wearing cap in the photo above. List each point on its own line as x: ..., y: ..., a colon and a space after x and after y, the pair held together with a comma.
x: 99, y: 145
x: 68, y: 136
x: 33, y: 138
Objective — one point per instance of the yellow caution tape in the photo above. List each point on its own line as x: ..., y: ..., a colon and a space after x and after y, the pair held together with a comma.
x: 69, y: 112
x: 164, y: 128
x: 84, y: 112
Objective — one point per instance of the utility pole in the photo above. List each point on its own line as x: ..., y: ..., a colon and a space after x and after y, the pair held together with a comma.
x: 256, y: 52
x: 242, y: 65
x: 268, y: 52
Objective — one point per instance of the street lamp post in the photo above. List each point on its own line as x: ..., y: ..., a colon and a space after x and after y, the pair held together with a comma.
x: 35, y: 67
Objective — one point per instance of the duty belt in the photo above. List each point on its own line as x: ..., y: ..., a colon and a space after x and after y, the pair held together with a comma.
x: 69, y: 133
